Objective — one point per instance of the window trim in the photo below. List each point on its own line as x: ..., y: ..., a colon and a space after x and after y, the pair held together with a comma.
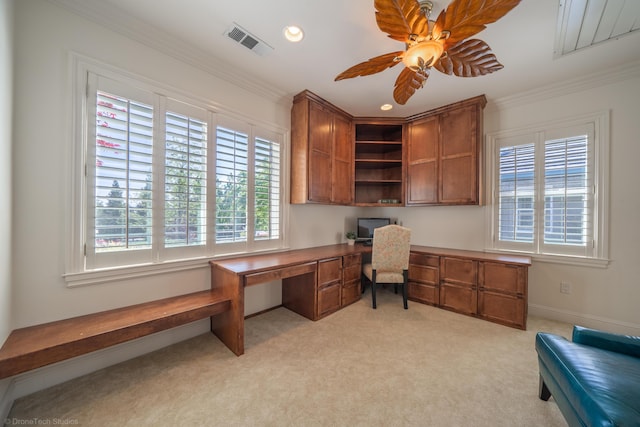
x: 600, y: 122
x: 75, y: 273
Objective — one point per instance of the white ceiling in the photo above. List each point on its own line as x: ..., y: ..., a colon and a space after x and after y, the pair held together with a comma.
x: 341, y: 33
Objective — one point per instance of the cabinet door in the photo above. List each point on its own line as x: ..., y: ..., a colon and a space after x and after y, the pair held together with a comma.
x: 424, y: 279
x: 329, y: 286
x: 459, y: 286
x: 502, y: 290
x: 459, y: 156
x: 320, y: 146
x: 342, y: 168
x: 351, y: 273
x: 422, y: 162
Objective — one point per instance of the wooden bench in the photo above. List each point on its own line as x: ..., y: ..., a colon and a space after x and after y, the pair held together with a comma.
x: 36, y: 346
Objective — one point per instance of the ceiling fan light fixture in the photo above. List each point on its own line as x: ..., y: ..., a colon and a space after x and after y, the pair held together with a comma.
x: 423, y: 54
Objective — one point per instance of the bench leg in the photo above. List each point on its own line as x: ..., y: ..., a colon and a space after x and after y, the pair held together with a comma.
x: 543, y: 391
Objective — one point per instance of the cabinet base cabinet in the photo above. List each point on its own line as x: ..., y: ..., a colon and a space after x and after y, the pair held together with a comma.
x: 502, y: 308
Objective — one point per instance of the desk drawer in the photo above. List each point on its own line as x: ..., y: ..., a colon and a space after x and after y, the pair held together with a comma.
x: 329, y: 270
x: 279, y: 273
x: 354, y: 259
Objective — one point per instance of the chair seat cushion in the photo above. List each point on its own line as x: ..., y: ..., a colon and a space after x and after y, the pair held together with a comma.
x: 382, y: 276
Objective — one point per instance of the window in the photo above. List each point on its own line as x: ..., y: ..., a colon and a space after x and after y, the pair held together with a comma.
x: 167, y: 180
x: 548, y: 187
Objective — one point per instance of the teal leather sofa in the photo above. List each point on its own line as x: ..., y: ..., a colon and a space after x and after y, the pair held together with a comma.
x: 594, y: 379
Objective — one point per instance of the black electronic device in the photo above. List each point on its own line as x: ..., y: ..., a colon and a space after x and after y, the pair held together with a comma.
x: 365, y: 227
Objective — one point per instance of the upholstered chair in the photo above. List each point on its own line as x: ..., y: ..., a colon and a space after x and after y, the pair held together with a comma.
x: 389, y: 259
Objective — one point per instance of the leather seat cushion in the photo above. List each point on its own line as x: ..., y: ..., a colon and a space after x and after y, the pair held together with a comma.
x: 601, y: 385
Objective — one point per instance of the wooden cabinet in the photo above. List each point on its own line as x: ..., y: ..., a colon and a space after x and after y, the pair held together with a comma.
x: 502, y: 292
x: 379, y: 163
x: 433, y: 158
x: 444, y: 155
x: 329, y: 286
x: 351, y: 272
x: 424, y: 279
x: 321, y: 152
x: 458, y: 284
x: 488, y: 286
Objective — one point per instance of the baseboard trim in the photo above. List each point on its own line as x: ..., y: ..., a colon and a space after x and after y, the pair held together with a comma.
x: 48, y: 376
x: 587, y: 320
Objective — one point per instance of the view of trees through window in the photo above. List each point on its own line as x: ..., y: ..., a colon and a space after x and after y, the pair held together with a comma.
x: 125, y: 188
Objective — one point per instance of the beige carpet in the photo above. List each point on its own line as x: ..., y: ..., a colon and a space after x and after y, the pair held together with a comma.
x: 358, y: 367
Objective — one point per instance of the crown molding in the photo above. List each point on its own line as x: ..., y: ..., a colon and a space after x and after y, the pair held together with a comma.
x: 609, y: 76
x: 153, y: 37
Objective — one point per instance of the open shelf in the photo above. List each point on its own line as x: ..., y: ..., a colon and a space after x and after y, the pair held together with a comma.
x: 378, y: 164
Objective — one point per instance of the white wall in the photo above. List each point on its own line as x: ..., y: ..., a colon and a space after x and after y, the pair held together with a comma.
x: 6, y: 76
x: 610, y: 297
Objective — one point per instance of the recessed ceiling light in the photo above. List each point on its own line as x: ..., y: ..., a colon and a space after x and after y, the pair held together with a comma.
x: 293, y: 33
x: 386, y: 107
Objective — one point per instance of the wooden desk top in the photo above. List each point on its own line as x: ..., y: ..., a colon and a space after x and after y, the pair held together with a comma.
x: 250, y: 264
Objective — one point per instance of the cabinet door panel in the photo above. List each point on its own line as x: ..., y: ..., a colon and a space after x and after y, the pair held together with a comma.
x: 320, y: 146
x: 458, y: 183
x: 422, y: 162
x: 423, y: 274
x: 351, y: 273
x: 462, y: 299
x: 329, y: 299
x: 329, y: 270
x: 459, y: 156
x: 502, y: 277
x: 350, y: 292
x: 424, y: 292
x: 509, y: 310
x: 342, y: 168
x: 458, y: 270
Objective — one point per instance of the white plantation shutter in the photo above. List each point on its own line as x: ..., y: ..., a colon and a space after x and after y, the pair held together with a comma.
x: 267, y: 189
x: 516, y: 193
x: 545, y: 192
x: 232, y: 185
x: 119, y: 196
x: 568, y: 221
x: 169, y: 180
x: 185, y: 181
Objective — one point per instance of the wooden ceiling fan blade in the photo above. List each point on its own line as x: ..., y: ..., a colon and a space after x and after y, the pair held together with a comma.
x: 464, y: 18
x: 470, y: 58
x: 400, y: 18
x: 407, y: 83
x: 372, y: 66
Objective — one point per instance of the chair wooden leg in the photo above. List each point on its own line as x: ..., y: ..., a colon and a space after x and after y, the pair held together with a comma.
x: 405, y: 291
x: 373, y: 289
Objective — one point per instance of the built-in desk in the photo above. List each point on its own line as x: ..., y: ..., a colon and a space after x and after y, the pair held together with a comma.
x: 299, y: 271
x: 318, y: 281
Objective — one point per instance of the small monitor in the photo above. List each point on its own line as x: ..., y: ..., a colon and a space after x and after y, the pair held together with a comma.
x: 367, y: 225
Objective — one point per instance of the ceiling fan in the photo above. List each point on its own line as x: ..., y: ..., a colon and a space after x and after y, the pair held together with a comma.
x: 442, y: 44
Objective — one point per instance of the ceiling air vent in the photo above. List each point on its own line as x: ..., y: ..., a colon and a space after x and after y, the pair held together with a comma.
x: 248, y: 40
